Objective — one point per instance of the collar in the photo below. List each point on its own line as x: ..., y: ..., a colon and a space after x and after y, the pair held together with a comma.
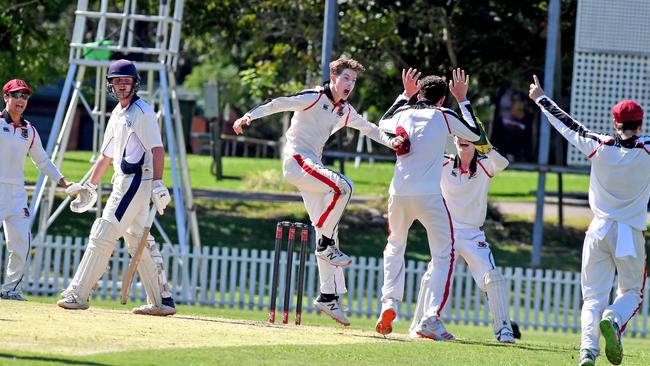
x: 629, y: 143
x: 328, y: 91
x: 424, y: 103
x: 7, y: 117
x: 133, y: 100
x: 472, y: 165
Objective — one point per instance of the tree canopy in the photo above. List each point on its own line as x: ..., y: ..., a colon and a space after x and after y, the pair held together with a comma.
x: 276, y: 45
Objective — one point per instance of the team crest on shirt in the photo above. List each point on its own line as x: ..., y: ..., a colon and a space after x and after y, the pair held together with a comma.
x: 5, y: 129
x: 129, y: 123
x: 482, y: 244
x: 325, y: 107
x: 24, y: 133
x: 26, y: 211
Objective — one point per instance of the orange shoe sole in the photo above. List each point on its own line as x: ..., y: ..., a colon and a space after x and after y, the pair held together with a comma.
x: 385, y: 324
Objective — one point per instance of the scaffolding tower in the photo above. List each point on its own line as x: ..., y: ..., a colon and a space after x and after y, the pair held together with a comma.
x: 152, y: 42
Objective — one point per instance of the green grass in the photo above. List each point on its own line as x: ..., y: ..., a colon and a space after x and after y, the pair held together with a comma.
x: 368, y: 179
x: 107, y: 335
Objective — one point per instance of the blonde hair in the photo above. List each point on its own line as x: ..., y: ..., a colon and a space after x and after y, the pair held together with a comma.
x: 337, y: 66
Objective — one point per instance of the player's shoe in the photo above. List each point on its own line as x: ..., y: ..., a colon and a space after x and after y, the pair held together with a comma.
x: 505, y: 335
x: 388, y: 314
x: 612, y: 335
x: 72, y: 302
x: 333, y: 309
x: 334, y: 256
x: 587, y: 357
x: 11, y: 295
x: 155, y: 310
x: 432, y: 328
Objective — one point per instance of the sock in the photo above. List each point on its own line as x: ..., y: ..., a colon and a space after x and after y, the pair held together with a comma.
x: 326, y: 297
x: 324, y: 242
x: 169, y: 302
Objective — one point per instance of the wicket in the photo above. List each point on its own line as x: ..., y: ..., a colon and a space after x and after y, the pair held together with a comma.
x: 304, y: 235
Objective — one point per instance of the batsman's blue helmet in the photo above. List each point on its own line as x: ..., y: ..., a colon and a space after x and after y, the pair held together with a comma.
x: 122, y: 69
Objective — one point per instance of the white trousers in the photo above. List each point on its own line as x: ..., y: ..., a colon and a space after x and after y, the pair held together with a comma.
x: 124, y: 215
x: 599, y: 265
x: 14, y: 217
x: 472, y: 246
x: 325, y: 194
x: 431, y: 211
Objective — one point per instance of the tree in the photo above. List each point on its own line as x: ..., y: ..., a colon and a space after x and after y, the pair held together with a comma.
x: 35, y: 38
x: 277, y: 44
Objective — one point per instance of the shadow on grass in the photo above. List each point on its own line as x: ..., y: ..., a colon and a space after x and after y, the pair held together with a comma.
x: 526, y: 347
x: 66, y: 361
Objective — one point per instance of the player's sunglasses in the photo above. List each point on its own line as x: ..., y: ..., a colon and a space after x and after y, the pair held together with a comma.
x: 19, y: 95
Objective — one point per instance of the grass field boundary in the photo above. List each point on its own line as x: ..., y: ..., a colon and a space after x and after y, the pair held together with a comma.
x: 229, y: 277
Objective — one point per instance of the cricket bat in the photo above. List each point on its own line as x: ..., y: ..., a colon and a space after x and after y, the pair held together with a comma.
x: 135, y: 259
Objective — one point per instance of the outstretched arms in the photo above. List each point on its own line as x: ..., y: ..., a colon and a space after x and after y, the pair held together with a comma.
x: 295, y: 102
x: 576, y: 133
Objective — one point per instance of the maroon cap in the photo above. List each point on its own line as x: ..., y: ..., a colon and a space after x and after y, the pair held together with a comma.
x: 627, y: 111
x: 15, y: 85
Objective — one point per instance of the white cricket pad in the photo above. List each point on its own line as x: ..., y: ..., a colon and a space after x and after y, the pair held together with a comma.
x: 422, y: 296
x: 497, y: 294
x: 93, y: 264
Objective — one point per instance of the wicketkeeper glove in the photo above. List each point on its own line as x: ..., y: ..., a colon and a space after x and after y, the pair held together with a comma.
x: 405, y: 147
x: 483, y: 145
x: 160, y: 196
x: 85, y: 196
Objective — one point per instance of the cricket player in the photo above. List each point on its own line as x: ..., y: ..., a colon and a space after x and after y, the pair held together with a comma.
x: 132, y: 142
x: 319, y: 113
x: 619, y: 189
x: 465, y: 181
x: 415, y: 192
x: 18, y: 137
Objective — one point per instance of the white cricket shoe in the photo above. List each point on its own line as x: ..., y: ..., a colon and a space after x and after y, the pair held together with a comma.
x: 505, y: 335
x: 432, y: 328
x: 72, y: 302
x: 334, y: 256
x: 155, y: 310
x: 11, y: 295
x: 587, y: 357
x: 333, y: 309
x: 384, y: 324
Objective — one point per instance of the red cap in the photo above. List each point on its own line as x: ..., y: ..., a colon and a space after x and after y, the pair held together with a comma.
x: 15, y: 85
x: 627, y: 111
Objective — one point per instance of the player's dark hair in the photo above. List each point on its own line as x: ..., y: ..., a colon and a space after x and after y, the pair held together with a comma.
x: 628, y: 125
x: 433, y: 88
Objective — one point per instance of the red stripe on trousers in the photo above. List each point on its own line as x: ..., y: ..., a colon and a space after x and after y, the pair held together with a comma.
x: 451, y: 262
x: 645, y: 275
x: 324, y: 179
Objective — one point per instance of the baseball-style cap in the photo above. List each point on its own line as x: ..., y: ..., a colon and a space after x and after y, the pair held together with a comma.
x: 627, y: 111
x: 15, y: 85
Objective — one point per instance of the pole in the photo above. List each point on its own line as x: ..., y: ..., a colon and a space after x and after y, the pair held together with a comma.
x: 545, y: 133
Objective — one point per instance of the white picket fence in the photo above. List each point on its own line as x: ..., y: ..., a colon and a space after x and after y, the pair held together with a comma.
x: 230, y: 277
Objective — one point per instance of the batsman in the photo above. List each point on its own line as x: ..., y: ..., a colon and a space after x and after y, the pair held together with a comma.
x: 133, y: 144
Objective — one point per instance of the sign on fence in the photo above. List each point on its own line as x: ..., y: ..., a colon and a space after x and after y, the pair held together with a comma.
x: 234, y: 278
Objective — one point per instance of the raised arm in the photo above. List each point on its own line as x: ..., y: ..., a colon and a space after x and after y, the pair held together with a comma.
x: 292, y: 103
x: 495, y: 162
x: 390, y: 119
x: 467, y: 125
x: 576, y: 133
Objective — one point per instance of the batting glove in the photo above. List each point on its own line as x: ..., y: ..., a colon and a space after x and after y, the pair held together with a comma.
x: 160, y: 196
